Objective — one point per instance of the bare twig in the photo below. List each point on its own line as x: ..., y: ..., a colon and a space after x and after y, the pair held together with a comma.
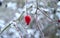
x: 18, y: 30
x: 43, y: 12
x: 8, y: 25
x: 42, y: 34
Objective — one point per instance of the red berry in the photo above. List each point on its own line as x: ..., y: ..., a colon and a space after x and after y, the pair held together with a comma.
x: 59, y: 21
x: 27, y: 19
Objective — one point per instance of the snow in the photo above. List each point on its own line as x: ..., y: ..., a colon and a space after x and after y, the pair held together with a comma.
x: 28, y: 5
x: 11, y: 5
x: 2, y: 22
x: 45, y: 9
x: 31, y: 0
x: 58, y: 14
x: 58, y: 9
x: 37, y: 34
x: 58, y: 3
x: 58, y: 33
x: 12, y: 30
x: 20, y: 10
x: 1, y: 0
x: 17, y: 15
x: 30, y: 31
x: 41, y: 3
x: 33, y: 10
x: 39, y: 17
x: 5, y: 36
x: 51, y: 16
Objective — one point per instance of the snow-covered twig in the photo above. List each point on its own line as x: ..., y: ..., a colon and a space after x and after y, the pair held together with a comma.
x: 8, y: 25
x: 42, y: 34
x: 43, y: 12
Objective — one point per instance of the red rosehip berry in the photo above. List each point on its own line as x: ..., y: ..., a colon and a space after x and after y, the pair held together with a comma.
x: 27, y: 19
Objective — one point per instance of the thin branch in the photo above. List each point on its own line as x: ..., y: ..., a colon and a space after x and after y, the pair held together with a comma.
x: 42, y: 34
x: 8, y: 25
x: 18, y: 30
x: 5, y: 28
x: 43, y: 12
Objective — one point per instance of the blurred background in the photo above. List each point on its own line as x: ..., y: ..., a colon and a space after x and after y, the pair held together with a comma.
x: 45, y: 18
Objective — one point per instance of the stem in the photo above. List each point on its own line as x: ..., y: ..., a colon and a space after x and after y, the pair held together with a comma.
x: 8, y: 25
x: 18, y: 30
x: 42, y: 34
x: 5, y: 28
x: 43, y: 12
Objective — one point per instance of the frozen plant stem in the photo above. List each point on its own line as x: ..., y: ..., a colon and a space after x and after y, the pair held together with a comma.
x: 8, y: 25
x: 42, y: 34
x: 18, y: 30
x: 43, y: 12
x: 5, y: 28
